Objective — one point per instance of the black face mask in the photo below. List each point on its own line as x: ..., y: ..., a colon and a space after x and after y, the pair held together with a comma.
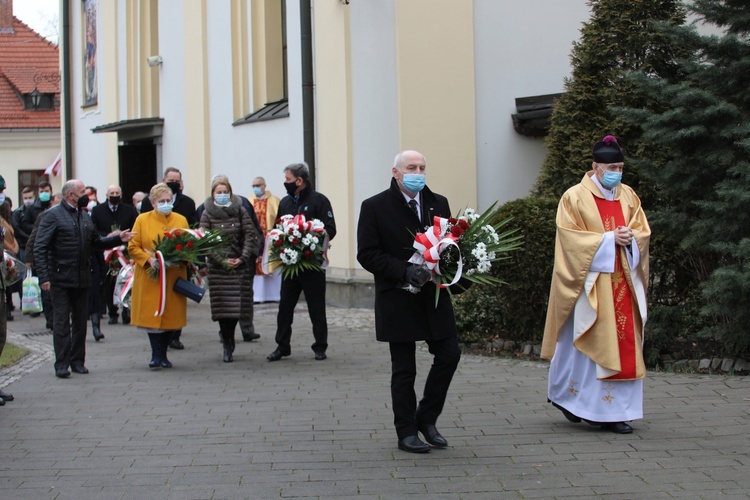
x: 83, y: 201
x: 114, y: 200
x: 174, y: 186
x: 291, y: 187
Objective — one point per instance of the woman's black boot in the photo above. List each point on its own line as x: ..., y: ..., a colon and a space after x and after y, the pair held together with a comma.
x: 96, y: 328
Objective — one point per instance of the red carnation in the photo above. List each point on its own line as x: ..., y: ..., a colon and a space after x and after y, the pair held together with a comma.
x: 177, y: 233
x: 308, y: 253
x: 295, y: 241
x: 278, y: 243
x: 190, y: 244
x: 168, y: 236
x: 457, y: 231
x: 463, y: 224
x: 178, y: 247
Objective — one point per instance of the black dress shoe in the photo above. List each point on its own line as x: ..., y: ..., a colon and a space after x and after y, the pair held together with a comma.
x: 154, y: 363
x: 617, y: 427
x: 165, y: 363
x: 567, y: 414
x: 320, y: 356
x: 112, y: 320
x: 62, y: 373
x: 277, y: 355
x: 126, y: 316
x: 79, y: 369
x: 250, y: 337
x: 432, y: 436
x: 413, y: 444
x: 6, y: 397
x: 176, y: 344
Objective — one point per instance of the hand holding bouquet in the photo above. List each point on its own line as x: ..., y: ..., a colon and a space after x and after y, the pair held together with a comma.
x: 297, y: 244
x: 13, y: 269
x: 465, y: 247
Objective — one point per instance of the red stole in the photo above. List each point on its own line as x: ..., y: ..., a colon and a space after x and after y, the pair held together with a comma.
x: 612, y: 218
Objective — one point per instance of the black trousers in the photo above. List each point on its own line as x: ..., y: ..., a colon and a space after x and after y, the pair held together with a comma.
x: 69, y: 325
x: 406, y: 413
x: 108, y: 287
x: 313, y: 283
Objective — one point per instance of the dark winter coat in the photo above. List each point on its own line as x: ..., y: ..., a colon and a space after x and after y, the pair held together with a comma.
x: 311, y: 204
x: 62, y: 249
x: 231, y: 290
x: 104, y: 218
x: 385, y: 234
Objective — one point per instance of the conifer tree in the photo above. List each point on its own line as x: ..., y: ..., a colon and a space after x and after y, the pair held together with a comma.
x: 620, y: 36
x: 698, y: 128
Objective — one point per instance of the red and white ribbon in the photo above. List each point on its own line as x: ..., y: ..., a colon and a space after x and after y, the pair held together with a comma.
x: 430, y: 244
x: 127, y: 272
x: 118, y: 253
x: 162, y: 284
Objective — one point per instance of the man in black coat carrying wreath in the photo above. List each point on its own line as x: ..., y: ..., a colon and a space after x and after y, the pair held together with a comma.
x: 387, y: 224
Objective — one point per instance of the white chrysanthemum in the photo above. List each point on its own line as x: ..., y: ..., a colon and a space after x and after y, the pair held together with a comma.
x: 469, y: 212
x: 313, y: 246
x: 296, y: 232
x: 484, y: 266
x: 289, y: 257
x: 315, y: 240
x: 290, y: 238
x: 491, y: 256
x: 317, y: 224
x: 479, y: 253
x: 470, y: 272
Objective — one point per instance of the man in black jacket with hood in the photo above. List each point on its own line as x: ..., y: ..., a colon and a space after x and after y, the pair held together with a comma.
x: 303, y: 199
x: 62, y: 259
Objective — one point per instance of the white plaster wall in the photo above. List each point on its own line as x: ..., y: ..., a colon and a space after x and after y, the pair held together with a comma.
x: 27, y: 150
x: 88, y: 148
x: 522, y: 49
x: 374, y: 96
x: 172, y: 102
x: 255, y: 149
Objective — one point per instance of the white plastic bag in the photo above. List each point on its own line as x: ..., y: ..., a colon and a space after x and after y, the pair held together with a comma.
x: 32, y: 295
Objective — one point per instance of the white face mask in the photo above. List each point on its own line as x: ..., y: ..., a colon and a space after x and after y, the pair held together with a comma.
x: 28, y: 202
x: 91, y: 205
x: 2, y: 198
x: 138, y: 206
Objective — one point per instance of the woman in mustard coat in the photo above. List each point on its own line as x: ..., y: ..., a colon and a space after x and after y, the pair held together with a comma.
x: 146, y: 291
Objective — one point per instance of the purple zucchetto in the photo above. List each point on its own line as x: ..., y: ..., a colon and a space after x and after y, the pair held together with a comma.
x: 608, y: 151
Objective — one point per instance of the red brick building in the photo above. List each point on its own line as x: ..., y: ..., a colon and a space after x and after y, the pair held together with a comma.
x: 29, y: 104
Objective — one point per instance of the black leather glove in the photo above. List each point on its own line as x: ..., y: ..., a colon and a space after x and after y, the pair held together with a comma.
x: 417, y: 276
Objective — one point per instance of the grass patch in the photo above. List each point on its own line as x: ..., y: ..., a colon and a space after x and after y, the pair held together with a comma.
x: 12, y: 354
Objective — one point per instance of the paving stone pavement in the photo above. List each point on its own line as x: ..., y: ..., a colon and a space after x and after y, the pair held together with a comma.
x: 301, y: 428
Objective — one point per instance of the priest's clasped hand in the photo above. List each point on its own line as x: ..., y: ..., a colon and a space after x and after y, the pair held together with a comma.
x: 623, y: 236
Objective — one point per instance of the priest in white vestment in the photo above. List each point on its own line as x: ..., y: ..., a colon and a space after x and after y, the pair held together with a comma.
x: 597, y: 306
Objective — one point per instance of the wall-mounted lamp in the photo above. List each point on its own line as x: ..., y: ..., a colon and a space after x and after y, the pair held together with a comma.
x: 36, y: 97
x: 154, y: 60
x: 345, y: 2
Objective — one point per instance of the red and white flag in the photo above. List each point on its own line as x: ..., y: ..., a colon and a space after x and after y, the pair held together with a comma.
x: 56, y: 166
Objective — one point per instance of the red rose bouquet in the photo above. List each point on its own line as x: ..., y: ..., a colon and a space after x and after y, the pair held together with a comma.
x: 296, y: 245
x: 465, y: 247
x: 13, y: 269
x: 187, y: 246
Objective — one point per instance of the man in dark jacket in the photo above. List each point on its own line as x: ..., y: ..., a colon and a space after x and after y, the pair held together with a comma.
x: 303, y: 199
x: 108, y: 217
x: 62, y: 258
x: 387, y: 224
x: 30, y: 216
x: 183, y: 205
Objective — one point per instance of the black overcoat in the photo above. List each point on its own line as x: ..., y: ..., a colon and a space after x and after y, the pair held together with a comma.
x: 385, y: 234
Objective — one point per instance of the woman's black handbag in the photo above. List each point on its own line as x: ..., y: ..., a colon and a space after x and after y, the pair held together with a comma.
x: 189, y: 289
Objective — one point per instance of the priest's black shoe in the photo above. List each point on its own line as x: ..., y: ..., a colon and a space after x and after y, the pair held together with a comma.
x: 79, y: 369
x: 62, y: 373
x: 617, y: 427
x: 568, y: 415
x: 432, y: 436
x: 6, y: 397
x: 413, y: 444
x: 277, y: 355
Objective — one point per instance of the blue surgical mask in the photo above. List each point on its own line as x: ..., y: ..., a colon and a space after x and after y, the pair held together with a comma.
x: 222, y: 198
x: 164, y: 208
x: 610, y: 180
x: 44, y: 196
x: 257, y: 191
x: 414, y: 183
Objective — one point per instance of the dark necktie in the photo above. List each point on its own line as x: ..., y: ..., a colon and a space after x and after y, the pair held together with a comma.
x: 413, y: 206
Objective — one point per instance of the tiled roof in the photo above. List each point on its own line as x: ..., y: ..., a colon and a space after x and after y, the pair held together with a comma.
x: 27, y: 61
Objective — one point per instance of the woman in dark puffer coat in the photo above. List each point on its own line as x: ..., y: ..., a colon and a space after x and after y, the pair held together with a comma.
x: 230, y: 278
